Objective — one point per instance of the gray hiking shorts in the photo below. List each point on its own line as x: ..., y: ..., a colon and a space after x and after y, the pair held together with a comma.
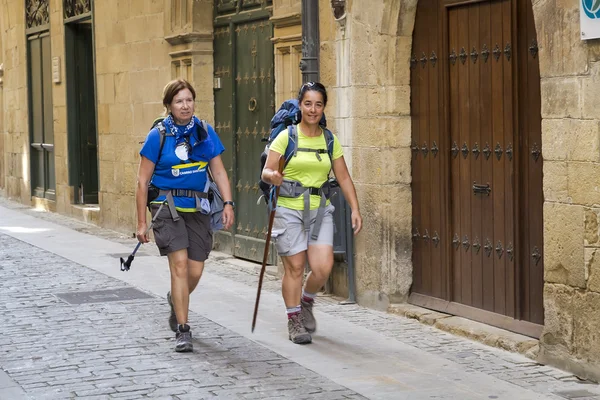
x: 191, y: 232
x: 288, y: 232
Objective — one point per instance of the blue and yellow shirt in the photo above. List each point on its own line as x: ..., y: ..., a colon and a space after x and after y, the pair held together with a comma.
x: 171, y: 172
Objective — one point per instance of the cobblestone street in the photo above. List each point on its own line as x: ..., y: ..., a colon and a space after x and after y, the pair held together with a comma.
x: 104, y: 346
x: 122, y: 349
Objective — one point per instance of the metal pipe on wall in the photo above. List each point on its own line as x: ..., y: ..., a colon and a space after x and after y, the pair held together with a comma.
x: 309, y: 64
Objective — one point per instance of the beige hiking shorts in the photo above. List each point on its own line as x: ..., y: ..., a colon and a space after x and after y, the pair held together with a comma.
x: 288, y: 232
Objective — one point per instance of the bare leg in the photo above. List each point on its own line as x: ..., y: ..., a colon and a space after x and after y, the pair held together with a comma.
x: 320, y: 259
x: 180, y: 284
x: 291, y: 286
x: 195, y: 269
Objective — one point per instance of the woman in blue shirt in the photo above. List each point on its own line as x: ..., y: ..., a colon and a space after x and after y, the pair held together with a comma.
x: 178, y: 168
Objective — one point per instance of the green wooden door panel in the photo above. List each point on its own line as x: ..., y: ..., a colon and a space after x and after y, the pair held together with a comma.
x: 81, y: 101
x: 244, y: 105
x: 254, y: 98
x: 224, y: 114
x: 43, y: 180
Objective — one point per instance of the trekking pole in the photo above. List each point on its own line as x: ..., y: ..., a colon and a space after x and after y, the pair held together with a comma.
x: 273, y: 206
x: 125, y: 265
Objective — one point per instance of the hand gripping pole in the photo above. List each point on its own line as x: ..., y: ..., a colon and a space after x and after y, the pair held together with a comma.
x: 126, y: 264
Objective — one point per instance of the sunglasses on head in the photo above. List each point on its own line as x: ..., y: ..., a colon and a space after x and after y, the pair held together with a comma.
x: 309, y: 85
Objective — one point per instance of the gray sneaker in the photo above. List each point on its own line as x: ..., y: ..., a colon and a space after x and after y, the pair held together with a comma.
x: 183, y: 339
x: 172, y: 317
x: 297, y: 333
x: 310, y: 324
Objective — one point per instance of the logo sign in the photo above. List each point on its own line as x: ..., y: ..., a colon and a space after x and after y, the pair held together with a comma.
x: 590, y: 19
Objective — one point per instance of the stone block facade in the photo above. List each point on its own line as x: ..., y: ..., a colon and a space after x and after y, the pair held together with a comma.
x: 570, y: 129
x: 15, y: 157
x: 364, y: 55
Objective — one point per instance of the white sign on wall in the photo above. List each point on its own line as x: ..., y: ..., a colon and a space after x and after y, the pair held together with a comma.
x: 589, y: 11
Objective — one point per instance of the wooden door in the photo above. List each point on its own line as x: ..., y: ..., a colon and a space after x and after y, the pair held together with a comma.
x: 429, y: 172
x: 482, y: 163
x: 477, y: 196
x: 81, y: 99
x: 255, y: 105
x: 244, y: 105
x: 43, y: 179
x: 531, y: 215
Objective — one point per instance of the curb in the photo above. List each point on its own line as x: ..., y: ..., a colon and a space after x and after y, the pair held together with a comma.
x: 476, y: 331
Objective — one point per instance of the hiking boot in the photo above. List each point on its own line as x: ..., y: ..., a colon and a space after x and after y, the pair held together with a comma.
x: 297, y: 332
x: 310, y: 324
x: 172, y: 317
x: 183, y: 339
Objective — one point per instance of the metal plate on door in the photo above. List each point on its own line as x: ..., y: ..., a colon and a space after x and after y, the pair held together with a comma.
x: 481, y: 189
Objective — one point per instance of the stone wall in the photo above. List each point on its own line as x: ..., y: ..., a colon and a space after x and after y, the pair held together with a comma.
x: 364, y: 62
x: 132, y: 67
x: 15, y: 111
x: 64, y: 192
x: 287, y: 41
x: 571, y: 148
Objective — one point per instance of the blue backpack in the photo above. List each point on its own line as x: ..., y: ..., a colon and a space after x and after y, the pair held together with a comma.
x: 286, y: 118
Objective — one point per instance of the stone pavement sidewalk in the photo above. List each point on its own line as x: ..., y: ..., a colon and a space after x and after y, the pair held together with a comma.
x: 113, y: 347
x: 121, y: 349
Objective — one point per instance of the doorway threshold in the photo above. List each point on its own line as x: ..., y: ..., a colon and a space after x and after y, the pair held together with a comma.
x: 89, y: 213
x: 477, y: 331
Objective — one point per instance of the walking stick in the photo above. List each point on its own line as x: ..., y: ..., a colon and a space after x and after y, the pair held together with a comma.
x: 126, y: 264
x: 273, y: 206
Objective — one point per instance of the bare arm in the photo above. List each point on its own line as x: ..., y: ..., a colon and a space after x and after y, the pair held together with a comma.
x: 145, y: 171
x: 343, y: 177
x: 270, y: 173
x: 219, y: 173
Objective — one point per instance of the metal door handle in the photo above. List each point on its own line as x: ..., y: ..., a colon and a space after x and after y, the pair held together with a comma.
x: 481, y: 189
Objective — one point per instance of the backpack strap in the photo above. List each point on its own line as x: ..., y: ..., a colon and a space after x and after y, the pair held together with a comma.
x: 181, y: 193
x: 162, y: 133
x: 204, y: 125
x: 208, y: 171
x: 292, y: 147
x: 329, y: 140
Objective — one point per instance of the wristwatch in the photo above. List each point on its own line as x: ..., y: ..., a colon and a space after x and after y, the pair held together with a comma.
x: 231, y: 203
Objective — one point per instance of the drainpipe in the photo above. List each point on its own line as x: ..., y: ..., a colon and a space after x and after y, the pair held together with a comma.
x: 309, y: 65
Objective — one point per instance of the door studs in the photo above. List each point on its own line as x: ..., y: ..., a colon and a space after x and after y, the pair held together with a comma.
x: 476, y: 245
x: 476, y: 150
x: 455, y: 150
x: 499, y: 250
x: 466, y: 243
x: 488, y: 247
x: 465, y: 150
